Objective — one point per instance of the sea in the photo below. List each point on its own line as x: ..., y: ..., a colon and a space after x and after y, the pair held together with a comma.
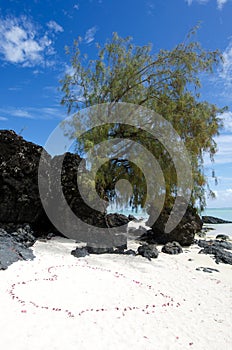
x: 221, y: 213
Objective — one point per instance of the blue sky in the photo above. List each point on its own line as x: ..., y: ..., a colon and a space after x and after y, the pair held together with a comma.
x: 33, y: 34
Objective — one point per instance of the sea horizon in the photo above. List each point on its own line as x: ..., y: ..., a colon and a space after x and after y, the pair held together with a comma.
x: 224, y: 213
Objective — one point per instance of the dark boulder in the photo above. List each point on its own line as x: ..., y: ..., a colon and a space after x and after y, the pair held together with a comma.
x: 183, y: 233
x: 19, y: 194
x: 221, y: 244
x: 22, y: 163
x: 117, y: 220
x: 99, y: 250
x: 80, y: 252
x: 148, y: 251
x: 137, y: 233
x: 206, y: 269
x: 213, y: 220
x: 130, y: 252
x: 132, y: 218
x: 219, y: 249
x: 172, y: 248
x: 223, y: 237
x: 125, y: 252
x: 14, y: 246
x: 64, y: 203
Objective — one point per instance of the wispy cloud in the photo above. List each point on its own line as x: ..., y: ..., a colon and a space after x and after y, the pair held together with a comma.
x: 3, y: 119
x: 224, y: 154
x: 223, y: 199
x: 76, y: 7
x: 90, y: 34
x: 14, y: 88
x: 150, y: 8
x: 23, y: 42
x: 220, y: 3
x: 222, y: 80
x: 201, y: 2
x: 227, y: 121
x: 43, y: 113
x: 55, y: 26
x: 226, y: 68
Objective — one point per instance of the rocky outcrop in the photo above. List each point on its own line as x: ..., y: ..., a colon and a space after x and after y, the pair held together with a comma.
x: 116, y: 219
x: 213, y: 220
x: 20, y: 199
x: 219, y: 250
x: 148, y: 251
x: 65, y: 205
x: 19, y: 195
x: 132, y: 218
x: 183, y: 233
x: 80, y: 252
x: 172, y: 248
x: 15, y: 246
x: 21, y: 202
x: 223, y: 237
x: 206, y: 269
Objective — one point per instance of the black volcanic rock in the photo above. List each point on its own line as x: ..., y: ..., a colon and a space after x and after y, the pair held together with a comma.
x: 19, y: 194
x: 206, y: 269
x: 223, y: 237
x: 172, y: 248
x: 213, y: 220
x: 22, y: 163
x: 14, y: 246
x: 148, y: 251
x: 64, y: 202
x: 183, y: 233
x: 80, y: 252
x: 132, y: 218
x: 116, y: 219
x: 219, y: 249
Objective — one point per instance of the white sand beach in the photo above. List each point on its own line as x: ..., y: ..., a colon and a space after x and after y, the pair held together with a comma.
x: 115, y: 302
x: 216, y: 229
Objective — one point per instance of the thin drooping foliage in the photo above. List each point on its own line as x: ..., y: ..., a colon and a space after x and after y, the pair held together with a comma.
x: 168, y: 83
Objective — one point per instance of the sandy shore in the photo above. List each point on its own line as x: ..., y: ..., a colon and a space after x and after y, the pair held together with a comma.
x: 217, y: 229
x: 114, y: 301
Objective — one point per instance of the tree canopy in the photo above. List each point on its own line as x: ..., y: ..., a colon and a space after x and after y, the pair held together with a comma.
x: 167, y: 82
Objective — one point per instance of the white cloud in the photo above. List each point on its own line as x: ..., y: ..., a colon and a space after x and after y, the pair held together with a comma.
x: 223, y: 199
x: 202, y: 2
x: 3, y: 119
x: 227, y: 121
x: 55, y: 26
x: 226, y: 69
x: 76, y: 6
x: 150, y: 8
x: 22, y: 114
x: 90, y: 34
x: 69, y: 70
x: 223, y: 80
x: 220, y: 3
x: 22, y: 43
x: 224, y: 154
x: 14, y: 88
x: 44, y: 113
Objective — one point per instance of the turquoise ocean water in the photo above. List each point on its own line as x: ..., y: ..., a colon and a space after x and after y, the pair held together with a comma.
x: 222, y: 213
x: 139, y: 214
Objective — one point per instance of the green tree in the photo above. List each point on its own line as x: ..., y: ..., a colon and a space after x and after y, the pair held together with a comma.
x: 167, y: 82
